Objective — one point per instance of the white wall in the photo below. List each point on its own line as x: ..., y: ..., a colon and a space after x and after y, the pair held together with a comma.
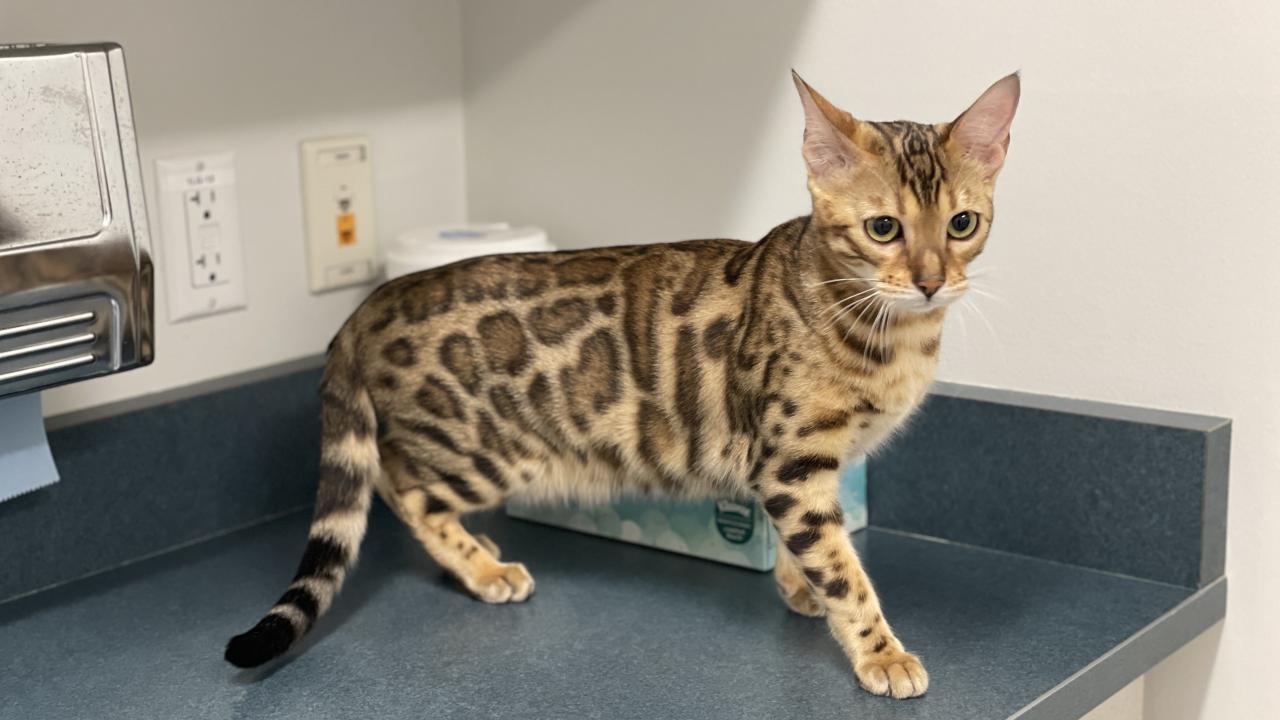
x: 1135, y: 245
x: 256, y: 78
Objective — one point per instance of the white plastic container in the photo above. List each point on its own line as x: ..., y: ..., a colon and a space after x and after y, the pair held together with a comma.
x: 424, y: 248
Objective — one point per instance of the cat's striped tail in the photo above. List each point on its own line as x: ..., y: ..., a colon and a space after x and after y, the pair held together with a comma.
x: 348, y: 469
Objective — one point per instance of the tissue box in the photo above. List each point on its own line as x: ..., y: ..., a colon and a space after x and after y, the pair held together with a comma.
x: 727, y: 531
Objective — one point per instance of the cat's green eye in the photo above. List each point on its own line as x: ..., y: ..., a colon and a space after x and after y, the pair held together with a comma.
x: 884, y: 229
x: 962, y: 225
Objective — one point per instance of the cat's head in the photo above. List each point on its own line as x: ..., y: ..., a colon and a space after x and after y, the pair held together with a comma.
x: 906, y: 206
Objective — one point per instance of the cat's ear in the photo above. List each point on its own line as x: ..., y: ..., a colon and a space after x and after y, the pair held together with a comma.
x: 827, y: 147
x: 982, y: 131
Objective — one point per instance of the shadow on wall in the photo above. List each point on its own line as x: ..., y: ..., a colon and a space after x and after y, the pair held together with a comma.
x: 563, y: 129
x: 305, y: 57
x: 10, y: 229
x: 1179, y: 686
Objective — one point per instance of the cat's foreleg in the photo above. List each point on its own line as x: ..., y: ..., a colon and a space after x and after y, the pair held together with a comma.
x: 800, y: 493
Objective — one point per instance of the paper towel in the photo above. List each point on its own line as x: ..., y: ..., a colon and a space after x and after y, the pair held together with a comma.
x: 25, y: 460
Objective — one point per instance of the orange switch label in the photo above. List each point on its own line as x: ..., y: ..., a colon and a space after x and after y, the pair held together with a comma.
x: 347, y: 229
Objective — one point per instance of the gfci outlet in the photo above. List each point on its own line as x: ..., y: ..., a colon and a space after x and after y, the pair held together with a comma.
x: 200, y: 227
x: 337, y: 189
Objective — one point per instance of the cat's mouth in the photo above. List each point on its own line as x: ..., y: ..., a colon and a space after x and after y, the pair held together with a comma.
x: 916, y: 302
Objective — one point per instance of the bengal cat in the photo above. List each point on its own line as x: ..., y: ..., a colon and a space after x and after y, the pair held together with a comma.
x: 691, y: 369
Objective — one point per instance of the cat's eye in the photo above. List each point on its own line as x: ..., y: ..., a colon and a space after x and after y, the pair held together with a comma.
x: 962, y: 225
x: 884, y: 229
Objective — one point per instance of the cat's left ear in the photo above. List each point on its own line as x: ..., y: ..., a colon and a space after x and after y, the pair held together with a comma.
x: 982, y: 132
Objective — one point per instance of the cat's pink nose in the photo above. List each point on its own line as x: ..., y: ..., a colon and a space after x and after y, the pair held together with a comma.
x: 929, y: 286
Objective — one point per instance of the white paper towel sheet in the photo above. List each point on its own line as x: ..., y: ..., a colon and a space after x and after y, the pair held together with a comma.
x: 25, y: 460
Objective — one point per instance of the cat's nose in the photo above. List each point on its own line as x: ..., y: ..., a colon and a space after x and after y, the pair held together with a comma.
x: 929, y: 286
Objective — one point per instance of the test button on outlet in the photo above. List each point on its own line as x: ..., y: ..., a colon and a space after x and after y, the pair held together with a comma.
x: 349, y: 273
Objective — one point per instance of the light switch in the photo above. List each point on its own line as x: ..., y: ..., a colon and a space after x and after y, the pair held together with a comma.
x: 337, y: 189
x: 200, y: 231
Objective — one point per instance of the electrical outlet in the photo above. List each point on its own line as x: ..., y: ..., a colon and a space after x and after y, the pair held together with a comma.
x: 200, y: 228
x: 204, y: 233
x: 337, y: 189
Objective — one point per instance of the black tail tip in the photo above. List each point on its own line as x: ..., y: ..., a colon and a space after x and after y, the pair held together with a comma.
x: 269, y: 639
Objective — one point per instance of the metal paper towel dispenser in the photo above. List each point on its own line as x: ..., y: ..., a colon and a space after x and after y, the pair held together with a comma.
x: 76, y: 281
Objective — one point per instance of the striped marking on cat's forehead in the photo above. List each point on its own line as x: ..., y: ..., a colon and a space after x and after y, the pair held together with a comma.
x: 917, y: 155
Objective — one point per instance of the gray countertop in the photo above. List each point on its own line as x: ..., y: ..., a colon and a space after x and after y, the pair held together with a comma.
x: 614, y: 631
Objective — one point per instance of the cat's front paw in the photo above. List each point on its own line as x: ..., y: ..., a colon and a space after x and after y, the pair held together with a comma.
x: 505, y: 583
x: 897, y: 673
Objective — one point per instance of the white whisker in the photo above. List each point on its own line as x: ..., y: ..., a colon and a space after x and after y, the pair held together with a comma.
x: 865, y: 342
x: 857, y: 298
x: 986, y: 293
x: 855, y: 322
x: 847, y: 298
x: 836, y: 280
x: 866, y: 348
x: 884, y: 331
x: 848, y: 309
x: 964, y: 329
x: 1004, y: 360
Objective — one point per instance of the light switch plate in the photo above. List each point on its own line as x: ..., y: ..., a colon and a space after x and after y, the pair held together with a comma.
x: 337, y: 190
x: 200, y: 232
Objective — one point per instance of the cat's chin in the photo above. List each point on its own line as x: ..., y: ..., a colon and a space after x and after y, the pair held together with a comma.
x: 924, y: 307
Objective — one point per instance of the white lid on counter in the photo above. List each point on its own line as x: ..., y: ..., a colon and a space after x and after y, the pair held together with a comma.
x: 428, y: 247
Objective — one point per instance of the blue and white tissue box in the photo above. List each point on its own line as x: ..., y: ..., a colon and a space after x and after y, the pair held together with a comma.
x: 727, y: 531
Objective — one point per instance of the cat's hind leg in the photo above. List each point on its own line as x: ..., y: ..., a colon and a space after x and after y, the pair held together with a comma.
x: 431, y: 503
x: 489, y: 545
x: 795, y: 590
x: 471, y: 561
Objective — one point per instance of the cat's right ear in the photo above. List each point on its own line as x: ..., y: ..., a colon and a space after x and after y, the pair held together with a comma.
x: 981, y: 133
x: 827, y: 149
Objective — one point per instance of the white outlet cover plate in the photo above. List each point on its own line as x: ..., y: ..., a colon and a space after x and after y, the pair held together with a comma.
x: 200, y: 235
x: 337, y: 194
